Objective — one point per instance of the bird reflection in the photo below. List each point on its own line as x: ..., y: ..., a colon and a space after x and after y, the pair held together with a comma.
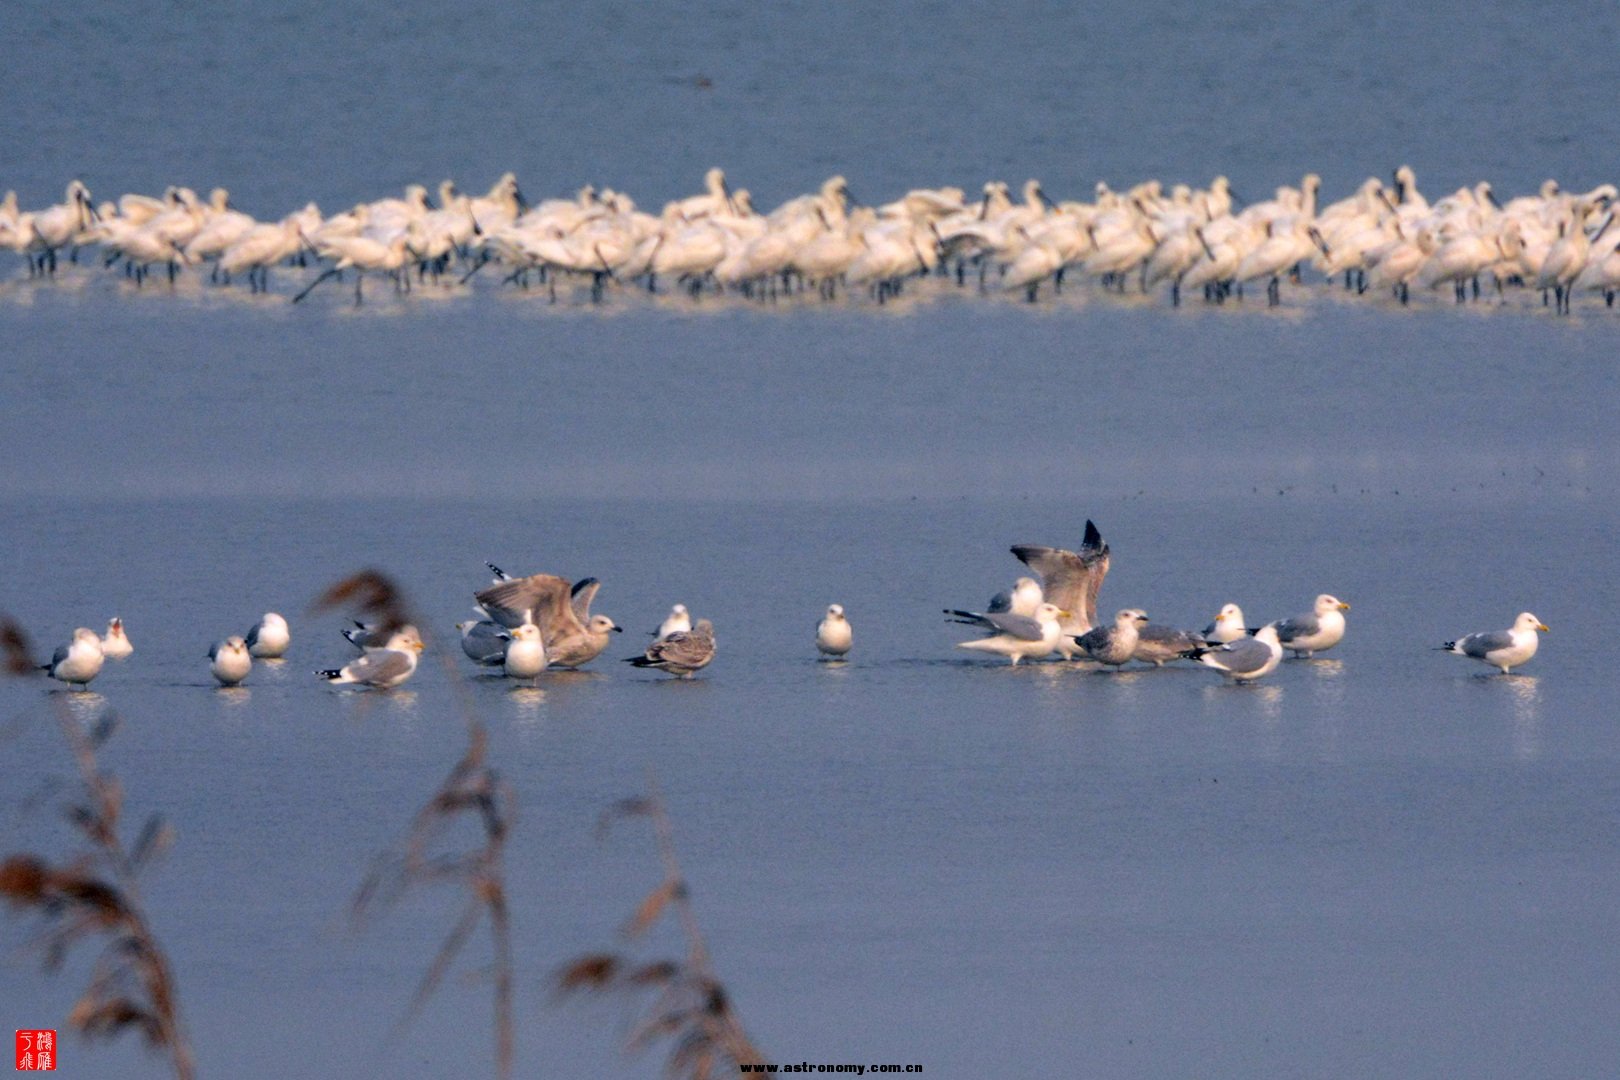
x: 234, y: 697
x: 526, y: 704
x: 1525, y: 693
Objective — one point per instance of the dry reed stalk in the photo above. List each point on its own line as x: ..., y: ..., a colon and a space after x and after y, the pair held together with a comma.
x: 472, y: 788
x: 692, y: 1006
x: 97, y: 893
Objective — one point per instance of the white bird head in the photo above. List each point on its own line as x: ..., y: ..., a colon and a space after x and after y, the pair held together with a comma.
x: 836, y: 611
x: 601, y: 624
x: 1527, y: 621
x: 406, y: 639
x: 1326, y: 603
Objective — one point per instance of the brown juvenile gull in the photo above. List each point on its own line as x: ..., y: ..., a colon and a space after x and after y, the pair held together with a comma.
x: 1070, y: 580
x: 573, y: 636
x: 683, y: 653
x: 1114, y: 645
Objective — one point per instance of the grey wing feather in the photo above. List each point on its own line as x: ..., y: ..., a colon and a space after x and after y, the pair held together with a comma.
x: 1095, y: 640
x: 252, y: 638
x: 1298, y: 626
x: 1002, y: 601
x: 584, y: 592
x: 1478, y: 645
x: 379, y: 665
x: 213, y: 651
x: 542, y: 597
x: 1168, y: 637
x: 1243, y: 655
x: 1071, y: 580
x: 60, y: 654
x: 1019, y: 626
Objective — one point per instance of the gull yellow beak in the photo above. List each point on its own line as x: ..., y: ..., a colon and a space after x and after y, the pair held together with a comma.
x: 1065, y: 614
x: 418, y: 646
x: 1543, y: 627
x: 1343, y: 606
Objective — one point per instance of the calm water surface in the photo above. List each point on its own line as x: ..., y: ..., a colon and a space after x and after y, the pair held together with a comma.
x: 1376, y: 864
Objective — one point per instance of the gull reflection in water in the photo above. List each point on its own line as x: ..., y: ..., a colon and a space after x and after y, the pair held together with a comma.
x: 1524, y: 691
x: 85, y: 706
x: 233, y: 697
x: 526, y: 704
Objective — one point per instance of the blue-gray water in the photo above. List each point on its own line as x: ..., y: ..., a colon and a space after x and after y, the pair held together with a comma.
x: 1375, y: 864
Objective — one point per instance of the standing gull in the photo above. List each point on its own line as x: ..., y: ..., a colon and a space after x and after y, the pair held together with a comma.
x: 572, y: 635
x: 833, y: 634
x: 1228, y: 626
x: 1070, y: 581
x: 1017, y: 637
x: 230, y: 660
x: 1320, y: 628
x: 1502, y: 648
x: 525, y: 655
x: 676, y: 622
x: 269, y: 639
x: 1114, y: 645
x: 115, y: 644
x: 683, y: 653
x: 77, y: 662
x: 381, y: 668
x: 1245, y: 658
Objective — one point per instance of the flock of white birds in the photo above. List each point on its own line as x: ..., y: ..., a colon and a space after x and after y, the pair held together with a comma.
x: 529, y: 624
x: 1386, y: 239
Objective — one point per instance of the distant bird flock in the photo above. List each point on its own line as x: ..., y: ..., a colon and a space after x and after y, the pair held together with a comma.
x: 527, y: 625
x: 1384, y: 240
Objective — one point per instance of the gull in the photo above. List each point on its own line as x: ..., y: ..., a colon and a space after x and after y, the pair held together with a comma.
x: 1245, y: 658
x: 270, y: 638
x: 365, y: 636
x: 572, y: 635
x: 484, y: 641
x: 229, y: 660
x: 381, y: 668
x: 1502, y: 648
x: 77, y: 662
x: 683, y: 653
x: 1022, y: 599
x: 1015, y: 636
x: 1228, y: 626
x: 114, y: 644
x: 1070, y: 581
x: 1158, y: 645
x: 525, y: 654
x: 1114, y: 645
x: 833, y: 635
x: 1320, y: 628
x: 676, y: 622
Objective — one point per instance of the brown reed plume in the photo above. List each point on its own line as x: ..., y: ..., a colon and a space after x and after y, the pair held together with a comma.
x: 474, y: 791
x: 95, y: 894
x: 691, y: 1006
